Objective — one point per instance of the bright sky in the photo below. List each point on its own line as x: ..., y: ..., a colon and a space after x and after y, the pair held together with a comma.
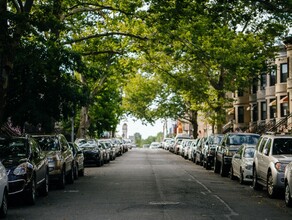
x: 138, y: 127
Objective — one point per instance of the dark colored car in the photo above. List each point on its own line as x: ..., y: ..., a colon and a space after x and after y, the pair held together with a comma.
x: 209, y: 149
x: 228, y: 147
x: 60, y: 157
x: 27, y: 167
x: 92, y: 154
x: 78, y: 160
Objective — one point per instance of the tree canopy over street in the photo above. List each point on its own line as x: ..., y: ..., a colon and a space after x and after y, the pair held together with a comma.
x: 95, y: 61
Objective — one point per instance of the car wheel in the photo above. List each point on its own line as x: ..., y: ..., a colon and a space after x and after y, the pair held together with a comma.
x: 255, y: 184
x: 223, y: 169
x: 216, y: 166
x: 288, y: 199
x: 31, y: 194
x: 4, y: 205
x: 62, y: 180
x: 241, y: 181
x: 270, y: 186
x: 70, y: 176
x: 231, y: 176
x: 76, y: 172
x: 44, y: 190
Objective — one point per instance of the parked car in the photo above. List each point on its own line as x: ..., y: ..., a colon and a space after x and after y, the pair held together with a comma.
x: 288, y: 185
x: 78, y: 160
x: 92, y: 154
x: 242, y: 162
x: 26, y: 166
x: 209, y: 149
x: 3, y: 191
x: 60, y: 157
x: 155, y: 145
x: 111, y: 148
x: 198, y: 154
x: 272, y: 155
x: 227, y: 148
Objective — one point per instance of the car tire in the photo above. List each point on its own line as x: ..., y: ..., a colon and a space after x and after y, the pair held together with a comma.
x: 44, y: 190
x: 231, y: 176
x: 270, y: 186
x: 76, y: 174
x: 4, y: 205
x: 241, y: 181
x: 70, y: 175
x: 255, y: 184
x: 62, y: 180
x: 288, y: 199
x: 31, y: 193
x: 216, y: 166
x: 223, y: 169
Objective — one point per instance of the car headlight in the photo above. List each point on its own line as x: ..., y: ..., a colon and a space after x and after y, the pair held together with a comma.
x: 248, y: 167
x: 280, y: 167
x: 22, y: 169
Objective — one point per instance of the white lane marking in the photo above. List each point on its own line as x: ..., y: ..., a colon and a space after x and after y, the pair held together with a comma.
x: 232, y: 212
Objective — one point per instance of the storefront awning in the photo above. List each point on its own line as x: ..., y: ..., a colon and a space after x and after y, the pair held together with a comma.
x: 284, y: 100
x: 273, y: 103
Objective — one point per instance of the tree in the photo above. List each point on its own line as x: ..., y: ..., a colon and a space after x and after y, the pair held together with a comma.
x: 69, y: 37
x: 217, y: 46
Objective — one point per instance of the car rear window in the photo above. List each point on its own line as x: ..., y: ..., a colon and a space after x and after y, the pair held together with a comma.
x: 282, y: 146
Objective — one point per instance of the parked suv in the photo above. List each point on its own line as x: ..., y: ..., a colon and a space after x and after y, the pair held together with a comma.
x: 228, y: 147
x: 60, y: 157
x: 26, y: 166
x: 272, y: 155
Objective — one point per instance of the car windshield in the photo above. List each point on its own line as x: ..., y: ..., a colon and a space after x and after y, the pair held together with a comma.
x: 87, y: 147
x: 48, y: 143
x: 13, y: 148
x: 238, y: 139
x: 249, y: 152
x: 216, y: 139
x: 282, y: 146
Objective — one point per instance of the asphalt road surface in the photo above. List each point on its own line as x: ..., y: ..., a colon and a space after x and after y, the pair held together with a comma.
x: 152, y: 184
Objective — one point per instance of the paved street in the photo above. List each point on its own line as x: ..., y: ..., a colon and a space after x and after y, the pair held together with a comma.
x: 152, y: 184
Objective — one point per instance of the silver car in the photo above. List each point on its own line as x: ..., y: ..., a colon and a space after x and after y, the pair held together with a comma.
x: 288, y: 185
x: 241, y: 164
x: 3, y: 191
x: 273, y: 153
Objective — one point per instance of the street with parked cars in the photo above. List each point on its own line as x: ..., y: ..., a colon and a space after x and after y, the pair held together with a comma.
x: 32, y: 165
x: 153, y: 184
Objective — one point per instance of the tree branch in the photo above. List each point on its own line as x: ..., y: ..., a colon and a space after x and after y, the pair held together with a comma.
x: 89, y: 53
x: 105, y: 35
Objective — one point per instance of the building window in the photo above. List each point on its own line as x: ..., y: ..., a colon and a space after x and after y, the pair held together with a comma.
x: 255, y: 113
x: 273, y: 76
x: 254, y: 86
x: 273, y: 109
x: 240, y: 93
x: 284, y: 72
x: 263, y: 81
x: 241, y: 114
x: 263, y: 110
x: 283, y: 107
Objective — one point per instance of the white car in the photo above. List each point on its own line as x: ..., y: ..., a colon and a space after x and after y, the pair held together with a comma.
x: 3, y: 191
x: 288, y: 185
x: 155, y: 145
x: 242, y: 162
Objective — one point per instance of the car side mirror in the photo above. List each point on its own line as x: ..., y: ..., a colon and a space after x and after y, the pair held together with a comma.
x: 266, y: 152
